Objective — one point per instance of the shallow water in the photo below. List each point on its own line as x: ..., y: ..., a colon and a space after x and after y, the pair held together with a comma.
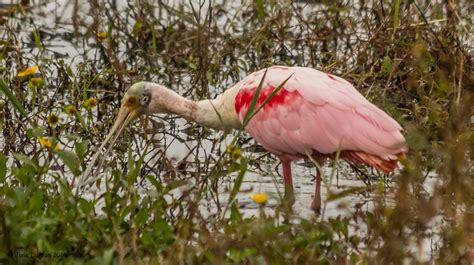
x: 179, y: 146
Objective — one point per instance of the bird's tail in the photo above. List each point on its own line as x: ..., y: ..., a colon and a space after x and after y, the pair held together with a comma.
x: 372, y: 160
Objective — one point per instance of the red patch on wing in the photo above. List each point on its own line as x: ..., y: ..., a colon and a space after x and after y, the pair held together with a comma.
x: 245, y: 96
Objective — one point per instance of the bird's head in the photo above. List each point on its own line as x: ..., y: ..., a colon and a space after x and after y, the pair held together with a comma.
x: 145, y: 97
x: 141, y: 98
x: 136, y: 102
x: 137, y: 99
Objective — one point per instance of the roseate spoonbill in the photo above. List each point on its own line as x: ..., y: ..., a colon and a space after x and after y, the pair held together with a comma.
x: 313, y: 114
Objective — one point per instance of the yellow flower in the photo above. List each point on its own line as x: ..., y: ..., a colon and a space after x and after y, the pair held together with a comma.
x: 47, y: 143
x: 260, y: 198
x: 53, y: 119
x: 71, y: 110
x: 28, y: 71
x: 90, y: 103
x: 101, y: 35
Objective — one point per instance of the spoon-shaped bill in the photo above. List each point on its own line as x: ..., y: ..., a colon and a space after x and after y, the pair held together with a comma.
x: 124, y: 117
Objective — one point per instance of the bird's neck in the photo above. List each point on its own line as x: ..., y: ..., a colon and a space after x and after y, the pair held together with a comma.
x: 216, y: 113
x: 219, y: 113
x: 183, y: 107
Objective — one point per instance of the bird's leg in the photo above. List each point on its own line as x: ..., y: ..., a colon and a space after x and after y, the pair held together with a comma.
x: 289, y: 197
x: 316, y: 205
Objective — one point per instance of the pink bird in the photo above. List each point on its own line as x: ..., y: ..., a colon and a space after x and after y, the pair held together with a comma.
x: 314, y: 114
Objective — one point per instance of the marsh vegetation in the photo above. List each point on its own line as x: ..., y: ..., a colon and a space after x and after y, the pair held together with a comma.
x: 176, y: 192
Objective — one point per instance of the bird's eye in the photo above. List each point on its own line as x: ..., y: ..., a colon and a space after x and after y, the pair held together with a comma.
x: 131, y: 102
x: 144, y: 100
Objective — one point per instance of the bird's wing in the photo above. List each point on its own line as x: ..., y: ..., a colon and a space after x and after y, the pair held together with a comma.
x: 315, y: 111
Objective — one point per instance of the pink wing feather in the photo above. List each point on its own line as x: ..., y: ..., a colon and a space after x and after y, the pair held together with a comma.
x: 318, y: 113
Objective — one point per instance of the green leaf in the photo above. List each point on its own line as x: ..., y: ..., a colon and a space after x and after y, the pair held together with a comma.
x: 107, y: 256
x: 81, y: 120
x: 175, y: 184
x: 164, y: 230
x: 386, y: 65
x: 254, y: 100
x: 130, y: 161
x: 37, y: 39
x: 142, y: 216
x: 134, y: 168
x: 443, y: 85
x: 25, y: 160
x: 238, y: 180
x: 395, y: 9
x: 261, y: 11
x: 70, y: 159
x: 81, y: 148
x: 9, y: 94
x: 235, y: 215
x: 35, y: 201
x: 34, y: 132
x: 274, y: 92
x: 137, y: 27
x: 69, y: 71
x: 3, y: 167
x: 155, y: 183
